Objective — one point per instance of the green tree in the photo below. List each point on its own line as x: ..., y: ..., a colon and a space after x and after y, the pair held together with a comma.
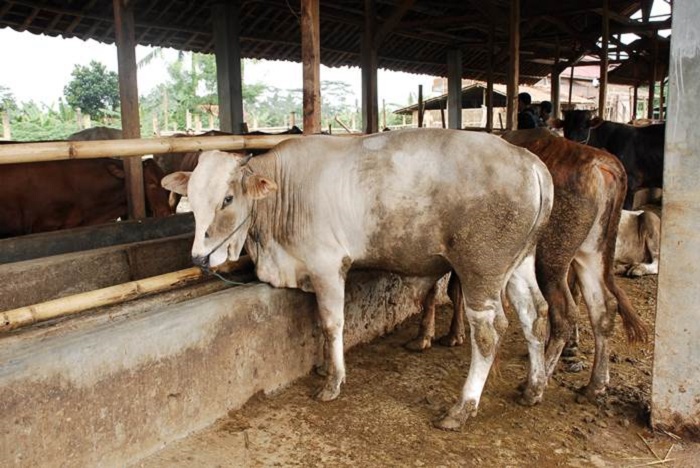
x: 7, y: 99
x: 93, y: 90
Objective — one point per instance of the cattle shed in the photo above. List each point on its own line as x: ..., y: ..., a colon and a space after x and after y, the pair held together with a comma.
x: 131, y: 377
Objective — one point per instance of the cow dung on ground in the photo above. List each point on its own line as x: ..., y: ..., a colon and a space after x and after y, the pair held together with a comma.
x: 383, y: 416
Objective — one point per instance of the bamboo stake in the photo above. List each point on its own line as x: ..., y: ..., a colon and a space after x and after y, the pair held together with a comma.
x: 75, y: 304
x: 60, y: 150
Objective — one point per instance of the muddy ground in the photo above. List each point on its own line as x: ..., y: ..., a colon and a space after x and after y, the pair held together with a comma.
x: 383, y: 417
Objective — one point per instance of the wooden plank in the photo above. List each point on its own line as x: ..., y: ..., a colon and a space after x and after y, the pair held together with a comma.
x: 311, y: 65
x: 454, y: 89
x: 489, y: 80
x: 60, y: 150
x: 370, y: 103
x: 226, y: 23
x: 129, y: 101
x: 603, y: 89
x: 514, y: 67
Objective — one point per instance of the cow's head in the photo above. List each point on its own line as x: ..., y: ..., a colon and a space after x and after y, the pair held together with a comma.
x: 577, y: 124
x: 156, y: 196
x: 221, y: 191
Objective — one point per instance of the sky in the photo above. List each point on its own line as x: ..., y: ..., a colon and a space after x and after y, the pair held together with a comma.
x: 37, y: 68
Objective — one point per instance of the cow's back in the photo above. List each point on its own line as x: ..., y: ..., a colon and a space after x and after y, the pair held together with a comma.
x: 398, y: 194
x: 47, y: 196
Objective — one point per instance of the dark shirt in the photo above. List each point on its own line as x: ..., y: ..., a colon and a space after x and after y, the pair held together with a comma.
x: 527, y: 119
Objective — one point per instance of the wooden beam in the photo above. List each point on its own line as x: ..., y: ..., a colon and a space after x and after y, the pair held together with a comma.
x: 129, y: 99
x: 489, y: 79
x: 603, y: 89
x: 226, y: 24
x: 514, y: 67
x: 311, y: 63
x: 454, y: 89
x: 370, y: 104
x: 392, y: 21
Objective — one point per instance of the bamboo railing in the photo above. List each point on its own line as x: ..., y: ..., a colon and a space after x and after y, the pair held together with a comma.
x: 62, y: 150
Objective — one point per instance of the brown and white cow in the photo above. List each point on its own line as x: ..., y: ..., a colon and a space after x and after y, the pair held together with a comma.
x: 637, y: 246
x: 589, y: 189
x: 312, y: 208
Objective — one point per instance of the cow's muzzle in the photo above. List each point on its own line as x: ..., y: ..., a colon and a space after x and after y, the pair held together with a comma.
x: 202, y: 261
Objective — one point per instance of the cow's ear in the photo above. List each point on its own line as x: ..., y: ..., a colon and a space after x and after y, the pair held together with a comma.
x: 176, y: 182
x: 556, y: 123
x: 116, y: 170
x: 257, y: 187
x: 596, y: 122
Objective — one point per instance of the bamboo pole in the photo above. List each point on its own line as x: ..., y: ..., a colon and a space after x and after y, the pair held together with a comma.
x: 61, y: 150
x: 77, y: 303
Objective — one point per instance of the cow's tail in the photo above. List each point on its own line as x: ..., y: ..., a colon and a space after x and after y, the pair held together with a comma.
x: 546, y: 198
x: 635, y: 328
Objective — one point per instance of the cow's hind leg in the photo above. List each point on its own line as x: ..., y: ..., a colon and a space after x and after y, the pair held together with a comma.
x: 484, y: 311
x: 330, y: 295
x: 426, y: 330
x: 457, y: 333
x: 602, y: 309
x: 525, y: 296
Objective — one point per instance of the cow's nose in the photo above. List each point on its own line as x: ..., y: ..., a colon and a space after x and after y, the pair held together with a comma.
x: 201, y: 261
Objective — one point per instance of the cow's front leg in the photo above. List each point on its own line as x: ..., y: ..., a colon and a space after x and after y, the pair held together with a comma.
x: 330, y: 294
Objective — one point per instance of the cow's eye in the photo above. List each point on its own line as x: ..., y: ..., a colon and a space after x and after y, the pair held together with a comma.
x: 227, y: 201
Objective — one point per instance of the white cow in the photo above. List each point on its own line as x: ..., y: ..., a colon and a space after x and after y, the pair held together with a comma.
x: 417, y: 202
x: 637, y: 244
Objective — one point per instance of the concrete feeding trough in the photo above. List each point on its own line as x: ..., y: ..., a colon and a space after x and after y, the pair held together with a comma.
x: 113, y: 385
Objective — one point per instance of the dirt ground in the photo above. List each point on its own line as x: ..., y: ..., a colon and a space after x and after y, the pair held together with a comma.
x: 383, y: 417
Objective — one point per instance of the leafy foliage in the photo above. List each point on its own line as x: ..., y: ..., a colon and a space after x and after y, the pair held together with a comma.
x: 93, y: 89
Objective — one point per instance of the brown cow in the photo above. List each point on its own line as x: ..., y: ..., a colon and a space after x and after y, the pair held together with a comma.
x: 589, y: 189
x: 47, y: 196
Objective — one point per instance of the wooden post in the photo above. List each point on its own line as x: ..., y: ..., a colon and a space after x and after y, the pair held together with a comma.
x: 635, y: 101
x: 454, y: 89
x: 370, y: 105
x: 129, y: 98
x: 292, y: 119
x: 571, y: 84
x: 555, y: 88
x: 6, y: 132
x: 514, y: 68
x: 420, y: 106
x: 311, y: 63
x: 652, y: 76
x: 383, y: 114
x: 603, y: 89
x: 79, y: 118
x: 188, y: 120
x: 225, y: 18
x: 197, y: 123
x: 156, y: 129
x: 489, y: 80
x: 211, y: 121
x: 661, y: 99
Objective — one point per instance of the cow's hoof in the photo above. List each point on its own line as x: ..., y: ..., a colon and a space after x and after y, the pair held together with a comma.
x: 457, y: 416
x: 450, y: 340
x: 570, y: 351
x: 588, y: 394
x: 635, y: 271
x: 530, y: 397
x: 419, y: 344
x: 328, y: 393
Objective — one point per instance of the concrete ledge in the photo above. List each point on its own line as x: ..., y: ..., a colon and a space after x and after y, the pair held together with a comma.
x: 43, y: 279
x: 112, y: 393
x: 19, y: 249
